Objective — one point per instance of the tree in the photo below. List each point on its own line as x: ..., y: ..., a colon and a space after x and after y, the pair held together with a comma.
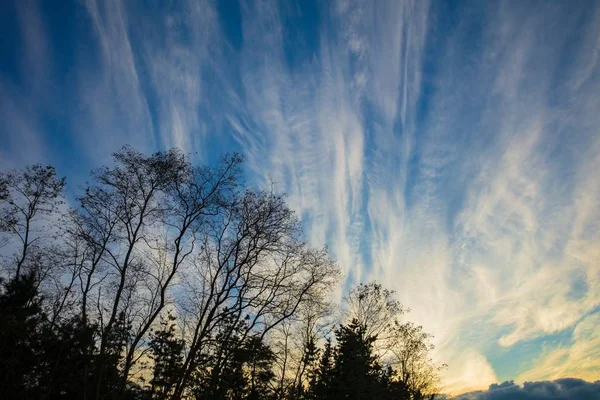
x: 117, y: 217
x: 375, y: 309
x: 26, y: 198
x: 139, y: 222
x: 306, y: 371
x: 411, y: 358
x: 251, y: 263
x: 65, y: 358
x: 320, y: 377
x: 295, y: 346
x: 111, y: 361
x: 185, y: 277
x: 40, y: 360
x: 356, y: 373
x: 167, y: 353
x: 239, y: 366
x: 20, y: 339
x: 401, y: 345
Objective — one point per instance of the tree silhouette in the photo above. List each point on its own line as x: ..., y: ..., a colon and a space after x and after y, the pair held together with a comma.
x: 26, y: 198
x: 167, y: 353
x: 172, y: 281
x: 239, y: 367
x: 20, y: 339
x: 356, y: 373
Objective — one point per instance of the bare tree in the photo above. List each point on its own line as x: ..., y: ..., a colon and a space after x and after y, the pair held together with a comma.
x: 402, y: 345
x: 153, y: 235
x: 118, y: 216
x: 253, y: 266
x: 140, y: 221
x: 411, y: 357
x: 201, y: 194
x: 295, y: 344
x: 26, y: 198
x: 375, y: 309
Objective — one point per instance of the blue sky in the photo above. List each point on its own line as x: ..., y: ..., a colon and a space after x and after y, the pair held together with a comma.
x: 448, y: 149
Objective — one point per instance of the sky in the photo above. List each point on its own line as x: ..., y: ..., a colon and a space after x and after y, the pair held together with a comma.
x: 449, y: 149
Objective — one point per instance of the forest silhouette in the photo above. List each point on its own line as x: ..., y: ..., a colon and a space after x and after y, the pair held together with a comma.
x: 160, y: 279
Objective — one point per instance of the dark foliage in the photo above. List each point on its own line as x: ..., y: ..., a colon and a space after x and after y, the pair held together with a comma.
x: 170, y: 281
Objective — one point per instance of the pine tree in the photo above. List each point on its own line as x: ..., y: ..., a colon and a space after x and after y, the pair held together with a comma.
x: 308, y: 368
x: 356, y: 373
x: 167, y: 354
x: 68, y: 351
x: 20, y: 337
x: 239, y: 367
x: 111, y: 362
x: 320, y: 378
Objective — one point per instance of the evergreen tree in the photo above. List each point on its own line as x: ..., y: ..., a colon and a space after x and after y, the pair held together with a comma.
x: 356, y: 373
x: 80, y: 311
x: 167, y: 354
x: 320, y: 378
x: 117, y: 340
x: 20, y: 338
x: 308, y: 365
x: 68, y: 351
x: 40, y: 360
x: 239, y: 368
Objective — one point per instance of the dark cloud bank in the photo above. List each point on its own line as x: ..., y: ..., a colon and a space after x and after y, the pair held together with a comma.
x: 560, y: 389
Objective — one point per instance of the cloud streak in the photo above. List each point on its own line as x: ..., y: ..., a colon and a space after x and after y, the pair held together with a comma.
x: 449, y: 151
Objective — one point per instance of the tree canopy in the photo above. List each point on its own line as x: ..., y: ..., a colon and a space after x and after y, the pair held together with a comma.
x: 166, y: 280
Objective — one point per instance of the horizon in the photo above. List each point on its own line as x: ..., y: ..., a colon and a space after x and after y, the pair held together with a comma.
x: 448, y: 150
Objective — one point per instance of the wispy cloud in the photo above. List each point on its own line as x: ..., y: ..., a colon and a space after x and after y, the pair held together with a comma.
x: 112, y: 104
x: 21, y: 114
x: 581, y: 357
x: 449, y: 151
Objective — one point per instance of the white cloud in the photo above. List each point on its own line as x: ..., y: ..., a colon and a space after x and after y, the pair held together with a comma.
x: 581, y: 358
x: 112, y: 110
x: 473, y: 371
x: 22, y: 106
x: 464, y: 214
x: 454, y: 161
